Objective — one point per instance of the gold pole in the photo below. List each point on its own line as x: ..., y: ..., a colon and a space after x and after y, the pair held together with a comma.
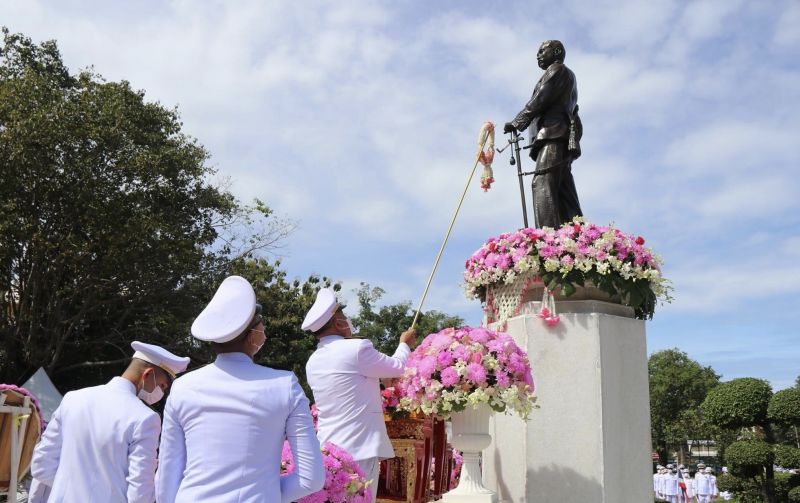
x: 449, y: 229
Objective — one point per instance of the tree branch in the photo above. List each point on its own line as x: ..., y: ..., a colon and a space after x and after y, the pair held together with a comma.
x: 90, y: 364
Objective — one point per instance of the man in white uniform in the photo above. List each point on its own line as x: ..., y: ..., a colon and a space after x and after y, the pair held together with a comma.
x: 671, y: 486
x: 225, y: 423
x: 687, y: 489
x: 100, y: 445
x: 702, y: 484
x: 657, y: 482
x: 343, y: 374
x: 713, y: 492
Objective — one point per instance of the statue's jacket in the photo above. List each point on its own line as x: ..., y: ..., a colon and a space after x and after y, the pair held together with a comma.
x: 551, y: 108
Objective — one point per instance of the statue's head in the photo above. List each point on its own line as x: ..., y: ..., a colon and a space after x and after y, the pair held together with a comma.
x: 549, y: 52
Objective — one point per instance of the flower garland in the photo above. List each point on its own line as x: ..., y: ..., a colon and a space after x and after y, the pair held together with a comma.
x: 486, y: 154
x: 390, y: 399
x: 548, y: 311
x: 576, y: 254
x: 456, y: 368
x: 345, y: 481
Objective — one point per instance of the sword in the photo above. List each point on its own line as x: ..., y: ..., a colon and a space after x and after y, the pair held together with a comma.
x: 516, y: 160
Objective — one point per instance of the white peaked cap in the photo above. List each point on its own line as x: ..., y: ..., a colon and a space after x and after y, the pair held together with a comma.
x: 160, y: 357
x: 322, y: 311
x: 227, y: 315
x: 709, y: 470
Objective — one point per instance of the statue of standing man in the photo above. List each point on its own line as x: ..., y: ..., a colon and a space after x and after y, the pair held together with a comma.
x: 552, y: 114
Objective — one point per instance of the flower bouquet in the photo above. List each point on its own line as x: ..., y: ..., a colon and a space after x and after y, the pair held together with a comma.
x: 344, y: 480
x: 390, y: 399
x: 455, y: 474
x: 576, y: 254
x: 456, y: 368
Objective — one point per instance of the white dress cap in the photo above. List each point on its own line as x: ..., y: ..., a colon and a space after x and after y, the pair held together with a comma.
x: 160, y: 357
x: 230, y: 311
x: 323, y: 310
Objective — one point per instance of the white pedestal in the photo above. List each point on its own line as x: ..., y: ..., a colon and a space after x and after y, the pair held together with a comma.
x: 589, y: 440
x: 470, y: 436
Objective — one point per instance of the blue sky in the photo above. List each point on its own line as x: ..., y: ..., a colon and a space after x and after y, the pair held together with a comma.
x: 359, y: 120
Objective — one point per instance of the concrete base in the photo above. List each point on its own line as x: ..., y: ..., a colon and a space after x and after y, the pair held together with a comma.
x: 589, y: 440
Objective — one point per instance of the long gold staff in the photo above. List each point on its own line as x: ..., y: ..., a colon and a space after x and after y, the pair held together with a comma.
x: 449, y: 229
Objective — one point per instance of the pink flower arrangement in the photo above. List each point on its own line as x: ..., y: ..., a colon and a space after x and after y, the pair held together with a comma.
x: 487, y: 180
x: 576, y: 254
x: 455, y: 474
x: 456, y: 368
x: 390, y: 399
x: 314, y: 415
x: 345, y: 482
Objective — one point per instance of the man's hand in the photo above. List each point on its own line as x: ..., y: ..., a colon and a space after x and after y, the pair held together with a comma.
x: 409, y: 337
x: 508, y: 128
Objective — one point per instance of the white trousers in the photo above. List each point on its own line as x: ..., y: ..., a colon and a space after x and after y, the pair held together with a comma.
x: 703, y: 498
x: 371, y: 468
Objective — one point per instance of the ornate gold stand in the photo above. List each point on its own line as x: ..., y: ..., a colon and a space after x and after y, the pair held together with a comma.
x: 420, y: 470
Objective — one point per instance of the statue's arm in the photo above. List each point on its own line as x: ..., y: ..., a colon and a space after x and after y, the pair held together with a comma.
x: 552, y: 85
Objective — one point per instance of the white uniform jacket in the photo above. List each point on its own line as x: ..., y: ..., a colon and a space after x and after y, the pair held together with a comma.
x: 224, y: 427
x: 702, y: 484
x: 343, y: 374
x: 671, y: 485
x: 712, y: 485
x: 100, y: 446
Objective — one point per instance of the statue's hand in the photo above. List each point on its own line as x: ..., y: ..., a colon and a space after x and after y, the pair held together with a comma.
x: 508, y: 128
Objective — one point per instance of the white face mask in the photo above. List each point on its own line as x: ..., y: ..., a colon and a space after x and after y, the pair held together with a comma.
x: 151, y: 397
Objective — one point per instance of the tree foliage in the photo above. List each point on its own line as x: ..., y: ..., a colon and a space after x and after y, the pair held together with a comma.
x: 107, y: 219
x: 748, y: 454
x: 784, y: 407
x: 678, y: 386
x: 383, y: 325
x: 738, y: 403
x: 748, y: 405
x: 787, y: 456
x: 784, y: 484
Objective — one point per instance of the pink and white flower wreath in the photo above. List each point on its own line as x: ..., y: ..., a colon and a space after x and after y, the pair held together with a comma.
x: 464, y: 367
x: 575, y: 254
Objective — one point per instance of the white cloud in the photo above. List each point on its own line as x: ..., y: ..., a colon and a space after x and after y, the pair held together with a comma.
x: 736, y: 147
x: 629, y: 26
x: 360, y: 119
x: 749, y: 197
x: 786, y: 31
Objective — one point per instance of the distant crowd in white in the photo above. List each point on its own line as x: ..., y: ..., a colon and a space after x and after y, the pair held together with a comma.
x: 676, y: 485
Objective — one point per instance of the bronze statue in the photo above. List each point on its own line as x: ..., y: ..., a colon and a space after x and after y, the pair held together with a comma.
x: 552, y: 113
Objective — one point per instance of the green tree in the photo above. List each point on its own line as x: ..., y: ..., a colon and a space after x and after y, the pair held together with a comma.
x: 784, y: 412
x: 383, y: 325
x: 678, y: 386
x: 109, y: 228
x: 748, y: 406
